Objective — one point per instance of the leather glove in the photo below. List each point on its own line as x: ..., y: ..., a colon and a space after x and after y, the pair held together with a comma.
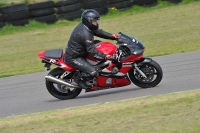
x: 113, y: 57
x: 116, y: 37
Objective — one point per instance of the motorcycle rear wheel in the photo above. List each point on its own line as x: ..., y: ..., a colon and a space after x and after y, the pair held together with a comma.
x: 152, y: 70
x: 61, y: 92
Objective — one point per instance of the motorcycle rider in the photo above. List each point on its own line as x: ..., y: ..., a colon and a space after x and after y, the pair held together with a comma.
x: 81, y: 43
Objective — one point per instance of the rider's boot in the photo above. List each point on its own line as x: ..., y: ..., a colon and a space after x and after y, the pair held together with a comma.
x: 78, y: 79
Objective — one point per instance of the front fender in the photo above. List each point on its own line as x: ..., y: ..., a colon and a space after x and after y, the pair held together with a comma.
x: 143, y: 60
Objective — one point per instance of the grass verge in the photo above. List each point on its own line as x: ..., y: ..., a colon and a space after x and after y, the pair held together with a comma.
x: 171, y: 113
x: 168, y: 30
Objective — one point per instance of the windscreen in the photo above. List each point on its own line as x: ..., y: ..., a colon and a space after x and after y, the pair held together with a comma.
x: 134, y: 45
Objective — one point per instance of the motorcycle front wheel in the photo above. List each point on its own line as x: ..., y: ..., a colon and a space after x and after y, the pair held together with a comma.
x: 61, y: 91
x: 153, y: 72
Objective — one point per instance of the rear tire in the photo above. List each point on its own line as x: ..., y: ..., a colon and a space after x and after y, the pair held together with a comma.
x: 152, y: 70
x: 61, y: 91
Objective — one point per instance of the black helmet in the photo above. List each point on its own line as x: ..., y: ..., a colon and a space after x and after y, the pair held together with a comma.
x: 87, y: 17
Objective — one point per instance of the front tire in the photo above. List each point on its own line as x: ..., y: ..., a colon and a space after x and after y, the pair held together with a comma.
x: 152, y: 70
x: 61, y: 91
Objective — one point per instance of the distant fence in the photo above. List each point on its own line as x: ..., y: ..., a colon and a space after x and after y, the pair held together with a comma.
x: 49, y: 11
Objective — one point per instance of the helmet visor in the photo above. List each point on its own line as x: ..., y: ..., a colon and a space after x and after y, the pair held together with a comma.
x: 95, y: 22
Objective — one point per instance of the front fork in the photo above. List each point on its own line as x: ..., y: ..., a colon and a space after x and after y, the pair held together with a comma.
x: 141, y: 62
x: 141, y: 73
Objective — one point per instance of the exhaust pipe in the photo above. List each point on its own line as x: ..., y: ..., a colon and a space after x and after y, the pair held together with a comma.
x: 59, y: 81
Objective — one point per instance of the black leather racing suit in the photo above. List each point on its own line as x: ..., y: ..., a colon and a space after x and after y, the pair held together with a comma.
x: 80, y: 44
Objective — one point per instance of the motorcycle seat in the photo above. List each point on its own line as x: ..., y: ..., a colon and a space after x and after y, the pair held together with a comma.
x: 55, y: 53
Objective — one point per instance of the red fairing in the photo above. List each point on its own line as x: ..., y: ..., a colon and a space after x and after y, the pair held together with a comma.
x: 116, y: 82
x: 106, y: 48
x: 122, y: 82
x: 124, y: 69
x: 132, y: 58
x: 41, y: 54
x: 59, y: 62
x: 66, y: 66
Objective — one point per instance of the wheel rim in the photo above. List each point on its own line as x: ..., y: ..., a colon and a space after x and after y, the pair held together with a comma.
x: 149, y: 71
x: 63, y: 88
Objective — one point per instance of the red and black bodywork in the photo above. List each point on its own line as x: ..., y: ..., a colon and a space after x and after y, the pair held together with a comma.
x: 111, y: 74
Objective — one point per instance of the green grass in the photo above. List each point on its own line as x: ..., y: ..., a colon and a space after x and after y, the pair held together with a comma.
x: 168, y: 30
x: 172, y: 113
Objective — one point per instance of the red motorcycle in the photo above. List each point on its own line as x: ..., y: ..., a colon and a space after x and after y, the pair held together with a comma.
x: 131, y: 66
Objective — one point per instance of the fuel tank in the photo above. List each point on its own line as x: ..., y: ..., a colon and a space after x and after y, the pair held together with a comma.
x: 106, y: 47
x: 103, y: 47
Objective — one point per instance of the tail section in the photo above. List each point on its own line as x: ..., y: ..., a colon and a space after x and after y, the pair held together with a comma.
x: 56, y: 57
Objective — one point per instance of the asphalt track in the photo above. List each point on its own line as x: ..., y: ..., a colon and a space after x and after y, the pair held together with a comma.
x: 26, y: 94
